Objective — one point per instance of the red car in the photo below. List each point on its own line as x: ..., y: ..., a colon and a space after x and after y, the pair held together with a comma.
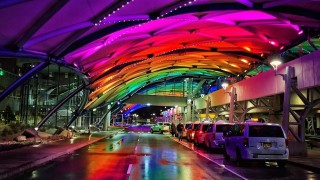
x: 201, y: 132
x: 190, y: 131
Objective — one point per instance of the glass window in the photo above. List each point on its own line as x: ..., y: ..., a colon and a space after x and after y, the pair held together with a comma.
x: 223, y: 127
x: 237, y: 130
x: 265, y: 131
x: 210, y: 128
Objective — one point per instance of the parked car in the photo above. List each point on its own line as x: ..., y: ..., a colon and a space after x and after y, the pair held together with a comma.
x: 160, y: 127
x: 187, y: 126
x: 166, y: 126
x: 257, y: 141
x: 201, y: 131
x: 214, y: 139
x: 190, y: 132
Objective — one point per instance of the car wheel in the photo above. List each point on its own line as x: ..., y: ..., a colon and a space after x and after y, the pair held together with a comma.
x: 239, y: 158
x: 210, y: 147
x: 226, y: 156
x: 195, y: 142
x: 281, y: 163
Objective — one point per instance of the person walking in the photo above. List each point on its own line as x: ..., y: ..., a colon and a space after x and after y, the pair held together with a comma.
x: 180, y: 129
x: 173, y: 129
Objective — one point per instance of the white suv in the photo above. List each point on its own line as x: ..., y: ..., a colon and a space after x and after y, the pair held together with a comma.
x: 214, y: 137
x: 257, y: 141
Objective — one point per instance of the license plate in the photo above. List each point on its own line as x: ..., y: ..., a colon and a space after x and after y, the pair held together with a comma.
x: 266, y: 145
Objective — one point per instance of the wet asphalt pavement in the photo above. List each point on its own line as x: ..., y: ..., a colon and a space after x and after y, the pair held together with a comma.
x: 155, y: 156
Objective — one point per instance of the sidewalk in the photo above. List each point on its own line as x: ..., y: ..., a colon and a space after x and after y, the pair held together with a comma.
x: 18, y: 160
x: 312, y: 161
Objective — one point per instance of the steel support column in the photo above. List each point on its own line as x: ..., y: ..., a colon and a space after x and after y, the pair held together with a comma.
x: 286, y: 98
x: 232, y: 100
x: 105, y: 115
x: 79, y: 110
x: 53, y: 110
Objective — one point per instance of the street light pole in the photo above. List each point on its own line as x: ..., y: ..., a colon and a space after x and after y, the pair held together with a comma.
x: 286, y: 98
x: 232, y: 95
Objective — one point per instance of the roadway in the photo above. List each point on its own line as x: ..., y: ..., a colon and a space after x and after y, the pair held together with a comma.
x: 155, y: 156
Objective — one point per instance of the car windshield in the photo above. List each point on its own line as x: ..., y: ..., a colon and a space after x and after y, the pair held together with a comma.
x: 196, y: 126
x: 223, y: 127
x: 205, y: 127
x: 265, y: 131
x: 188, y: 126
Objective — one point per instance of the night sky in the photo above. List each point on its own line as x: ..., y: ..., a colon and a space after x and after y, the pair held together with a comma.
x: 145, y: 113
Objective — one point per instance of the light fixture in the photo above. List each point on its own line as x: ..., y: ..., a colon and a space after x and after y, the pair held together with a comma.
x: 224, y: 85
x: 275, y: 63
x: 36, y: 128
x: 232, y: 93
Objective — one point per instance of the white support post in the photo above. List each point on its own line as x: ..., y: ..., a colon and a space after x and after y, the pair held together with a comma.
x: 208, y: 101
x: 232, y: 99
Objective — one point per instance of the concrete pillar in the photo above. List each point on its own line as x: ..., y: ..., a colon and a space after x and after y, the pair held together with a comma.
x: 192, y: 112
x: 208, y: 101
x: 79, y: 121
x: 122, y: 120
x: 106, y: 123
x: 188, y: 111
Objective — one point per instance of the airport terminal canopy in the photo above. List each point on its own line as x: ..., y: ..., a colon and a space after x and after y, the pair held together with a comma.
x: 125, y: 45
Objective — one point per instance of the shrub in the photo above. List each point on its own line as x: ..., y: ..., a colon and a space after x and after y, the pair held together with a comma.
x: 5, y: 132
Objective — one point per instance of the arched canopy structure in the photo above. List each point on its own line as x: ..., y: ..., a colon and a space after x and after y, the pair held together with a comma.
x: 124, y: 45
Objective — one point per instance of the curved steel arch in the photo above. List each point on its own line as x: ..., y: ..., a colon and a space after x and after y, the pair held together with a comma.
x: 97, y: 35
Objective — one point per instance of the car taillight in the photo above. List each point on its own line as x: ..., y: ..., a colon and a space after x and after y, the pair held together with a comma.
x: 287, y: 142
x: 200, y: 133
x: 245, y: 142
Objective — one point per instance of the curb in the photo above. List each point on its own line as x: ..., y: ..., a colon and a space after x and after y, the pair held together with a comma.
x: 311, y: 168
x: 305, y: 166
x: 39, y: 162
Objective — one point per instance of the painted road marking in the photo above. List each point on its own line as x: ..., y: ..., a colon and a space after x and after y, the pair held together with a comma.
x: 129, y: 169
x: 221, y: 165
